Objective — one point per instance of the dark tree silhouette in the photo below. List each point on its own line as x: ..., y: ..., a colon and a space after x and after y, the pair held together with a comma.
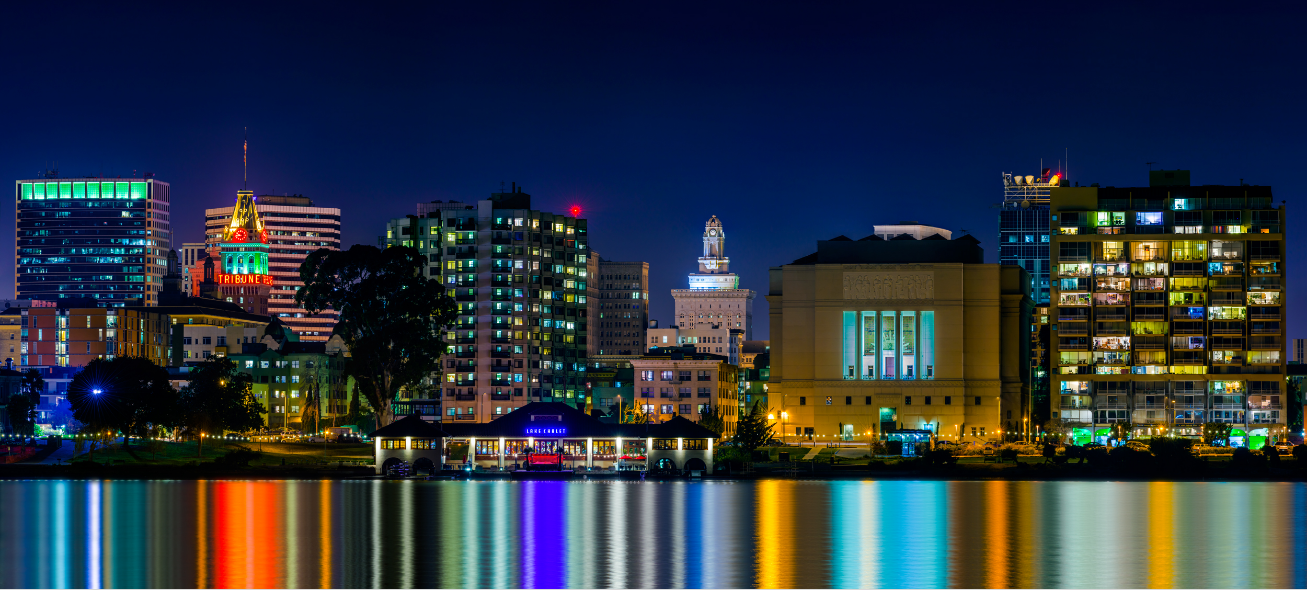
x: 219, y: 398
x: 390, y: 316
x: 125, y: 394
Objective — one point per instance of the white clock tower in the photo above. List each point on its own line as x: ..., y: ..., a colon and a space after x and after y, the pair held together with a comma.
x: 714, y: 266
x: 714, y: 308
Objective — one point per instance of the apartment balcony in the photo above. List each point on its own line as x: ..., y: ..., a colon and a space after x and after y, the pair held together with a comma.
x: 500, y: 382
x: 465, y: 296
x: 501, y: 354
x: 1234, y: 331
x: 1227, y: 284
x: 1266, y: 329
x: 1150, y: 313
x: 1223, y: 299
x: 466, y: 354
x: 1073, y: 330
x: 500, y: 397
x: 465, y: 341
x: 1188, y: 328
x: 501, y: 340
x: 1264, y: 313
x: 465, y: 397
x: 1266, y: 284
x: 1113, y: 406
x: 1188, y: 272
x: 1111, y: 314
x: 1264, y: 257
x: 1266, y: 343
x: 464, y: 417
x: 1227, y: 406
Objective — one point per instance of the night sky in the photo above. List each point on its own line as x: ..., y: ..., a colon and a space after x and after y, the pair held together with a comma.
x: 790, y: 123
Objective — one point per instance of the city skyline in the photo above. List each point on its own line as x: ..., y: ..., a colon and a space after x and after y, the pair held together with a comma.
x: 742, y: 114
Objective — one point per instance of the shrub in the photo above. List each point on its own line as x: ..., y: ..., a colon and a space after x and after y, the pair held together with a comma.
x: 1008, y: 452
x: 1272, y: 454
x: 941, y: 457
x: 1169, y: 450
x: 238, y: 457
x: 1300, y: 453
x: 1247, y: 460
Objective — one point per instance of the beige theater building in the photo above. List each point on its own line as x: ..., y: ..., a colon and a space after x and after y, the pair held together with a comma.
x: 914, y: 332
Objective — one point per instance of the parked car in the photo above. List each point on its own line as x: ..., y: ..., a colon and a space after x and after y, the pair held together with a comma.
x: 1284, y: 448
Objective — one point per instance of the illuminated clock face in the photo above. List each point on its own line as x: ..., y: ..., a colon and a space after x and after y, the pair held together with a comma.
x: 263, y: 236
x: 239, y: 235
x: 712, y: 232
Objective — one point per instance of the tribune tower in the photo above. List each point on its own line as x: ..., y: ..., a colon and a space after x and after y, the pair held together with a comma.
x: 242, y: 255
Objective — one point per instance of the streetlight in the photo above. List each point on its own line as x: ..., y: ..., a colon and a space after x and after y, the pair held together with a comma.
x: 96, y: 391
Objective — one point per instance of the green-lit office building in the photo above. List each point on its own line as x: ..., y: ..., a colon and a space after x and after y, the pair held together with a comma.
x: 102, y: 238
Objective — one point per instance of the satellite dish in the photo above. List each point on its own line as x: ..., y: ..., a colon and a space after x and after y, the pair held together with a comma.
x: 1025, y: 204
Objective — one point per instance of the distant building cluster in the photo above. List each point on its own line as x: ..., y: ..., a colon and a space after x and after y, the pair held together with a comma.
x: 1158, y: 307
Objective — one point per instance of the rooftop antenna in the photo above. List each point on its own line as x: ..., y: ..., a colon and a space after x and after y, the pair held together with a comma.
x: 245, y: 159
x: 1150, y: 165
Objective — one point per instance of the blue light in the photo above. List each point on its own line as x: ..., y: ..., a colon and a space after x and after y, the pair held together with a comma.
x: 555, y: 430
x: 95, y: 391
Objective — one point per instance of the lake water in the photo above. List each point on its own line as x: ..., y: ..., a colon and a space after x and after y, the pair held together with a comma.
x: 775, y: 533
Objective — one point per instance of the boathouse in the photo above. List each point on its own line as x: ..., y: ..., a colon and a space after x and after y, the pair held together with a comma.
x: 586, y: 442
x: 410, y: 439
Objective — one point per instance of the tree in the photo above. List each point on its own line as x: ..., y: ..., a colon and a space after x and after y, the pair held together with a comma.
x: 390, y: 315
x: 1121, y: 430
x: 753, y: 430
x: 1217, y: 432
x: 22, y: 415
x: 712, y: 420
x: 218, y: 399
x: 33, y: 385
x: 1056, y: 430
x: 125, y: 394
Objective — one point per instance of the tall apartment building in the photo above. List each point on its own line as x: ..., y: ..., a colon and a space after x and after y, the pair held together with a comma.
x: 1299, y: 351
x: 623, y: 320
x: 296, y: 228
x: 521, y: 279
x: 1168, y: 308
x: 99, y: 238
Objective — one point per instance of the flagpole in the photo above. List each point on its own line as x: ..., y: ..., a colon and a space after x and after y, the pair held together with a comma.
x: 245, y: 159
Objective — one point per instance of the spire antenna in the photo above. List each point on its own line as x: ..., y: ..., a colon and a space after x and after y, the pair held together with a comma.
x: 245, y: 160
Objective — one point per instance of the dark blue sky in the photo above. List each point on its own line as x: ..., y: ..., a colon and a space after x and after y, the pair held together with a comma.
x: 791, y: 123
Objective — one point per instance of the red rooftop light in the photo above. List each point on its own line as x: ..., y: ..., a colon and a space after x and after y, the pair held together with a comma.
x: 576, y: 210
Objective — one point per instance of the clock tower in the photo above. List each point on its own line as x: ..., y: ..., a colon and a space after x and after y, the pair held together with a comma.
x: 242, y: 256
x: 714, y: 308
x: 714, y: 266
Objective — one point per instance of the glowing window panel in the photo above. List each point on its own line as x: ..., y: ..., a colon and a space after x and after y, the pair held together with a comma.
x: 120, y: 190
x: 908, y: 345
x: 92, y: 190
x: 850, y: 333
x: 65, y: 190
x: 868, y: 345
x: 888, y: 341
x: 927, y: 348
x: 27, y: 190
x: 52, y: 190
x: 79, y: 190
x: 138, y: 190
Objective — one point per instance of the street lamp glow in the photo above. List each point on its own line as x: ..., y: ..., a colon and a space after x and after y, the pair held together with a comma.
x: 96, y: 391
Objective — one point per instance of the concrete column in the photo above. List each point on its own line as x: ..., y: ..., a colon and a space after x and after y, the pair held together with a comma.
x: 648, y: 453
x: 680, y: 444
x: 618, y: 459
x: 589, y: 453
x: 472, y: 452
x: 711, y: 467
x: 501, y: 453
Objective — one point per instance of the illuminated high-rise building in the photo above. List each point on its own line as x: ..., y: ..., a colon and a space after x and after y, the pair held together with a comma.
x: 1168, y: 309
x: 522, y: 280
x: 99, y: 238
x: 295, y: 228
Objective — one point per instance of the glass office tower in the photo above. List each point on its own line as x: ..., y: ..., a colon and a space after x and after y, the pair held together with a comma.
x: 99, y: 238
x: 1023, y: 228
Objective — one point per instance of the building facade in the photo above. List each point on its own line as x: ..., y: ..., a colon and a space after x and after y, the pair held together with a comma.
x: 677, y: 381
x: 98, y: 238
x: 623, y: 320
x: 721, y: 341
x: 188, y: 257
x: 1169, y: 308
x: 1023, y: 235
x: 73, y: 336
x: 521, y: 280
x: 873, y: 336
x: 294, y: 379
x: 295, y: 229
x: 714, y: 299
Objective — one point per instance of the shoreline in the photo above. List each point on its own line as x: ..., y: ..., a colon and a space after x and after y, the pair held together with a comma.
x: 18, y: 471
